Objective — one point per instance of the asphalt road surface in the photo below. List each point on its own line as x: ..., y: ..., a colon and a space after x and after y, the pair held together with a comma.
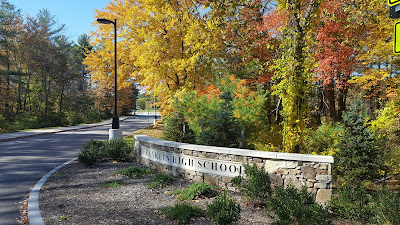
x: 24, y: 161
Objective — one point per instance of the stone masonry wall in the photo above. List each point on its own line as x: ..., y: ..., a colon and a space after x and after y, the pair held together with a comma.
x: 218, y: 166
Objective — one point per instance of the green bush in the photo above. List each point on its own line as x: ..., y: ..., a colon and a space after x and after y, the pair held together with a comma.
x: 173, y: 129
x: 353, y: 203
x: 358, y: 159
x: 223, y: 130
x: 91, y: 152
x: 324, y: 140
x: 26, y: 121
x: 119, y: 150
x: 223, y: 210
x: 294, y: 206
x: 112, y: 184
x: 257, y: 186
x: 386, y: 207
x: 195, y: 191
x: 134, y: 171
x: 73, y: 118
x: 182, y: 212
x: 161, y: 180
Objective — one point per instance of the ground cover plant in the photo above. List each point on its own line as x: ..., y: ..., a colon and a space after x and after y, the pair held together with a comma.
x: 116, y: 149
x: 294, y: 206
x: 112, y: 184
x: 356, y: 203
x: 223, y: 210
x: 134, y: 172
x: 256, y: 187
x: 196, y: 190
x: 91, y: 152
x: 182, y: 212
x: 161, y: 180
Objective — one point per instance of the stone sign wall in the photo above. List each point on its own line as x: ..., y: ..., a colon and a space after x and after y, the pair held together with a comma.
x: 215, y: 165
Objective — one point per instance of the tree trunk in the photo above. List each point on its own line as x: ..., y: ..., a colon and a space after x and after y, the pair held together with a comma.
x: 342, y: 93
x: 329, y: 96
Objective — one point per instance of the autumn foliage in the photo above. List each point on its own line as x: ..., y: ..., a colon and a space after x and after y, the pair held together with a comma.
x: 312, y: 57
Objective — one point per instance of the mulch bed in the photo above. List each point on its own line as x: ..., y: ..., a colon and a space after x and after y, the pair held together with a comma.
x: 73, y: 196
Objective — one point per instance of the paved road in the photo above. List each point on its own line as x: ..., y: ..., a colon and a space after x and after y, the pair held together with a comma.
x: 24, y: 161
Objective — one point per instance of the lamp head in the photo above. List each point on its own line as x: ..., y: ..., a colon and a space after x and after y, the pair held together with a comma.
x: 104, y: 21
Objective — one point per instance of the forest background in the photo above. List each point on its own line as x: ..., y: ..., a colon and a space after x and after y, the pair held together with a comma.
x: 286, y: 70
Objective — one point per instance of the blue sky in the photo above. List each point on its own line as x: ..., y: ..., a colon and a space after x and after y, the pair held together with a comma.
x: 77, y: 15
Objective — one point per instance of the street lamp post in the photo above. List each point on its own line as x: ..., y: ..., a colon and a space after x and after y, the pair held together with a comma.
x: 115, y: 132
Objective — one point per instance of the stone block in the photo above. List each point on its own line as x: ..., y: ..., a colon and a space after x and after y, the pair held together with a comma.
x: 257, y: 160
x: 281, y: 171
x: 197, y: 179
x: 309, y: 184
x: 271, y: 166
x: 293, y: 171
x: 239, y: 158
x: 320, y: 185
x: 212, y: 155
x: 312, y: 190
x: 324, y: 178
x: 209, y: 179
x: 225, y: 157
x: 323, y: 196
x: 276, y: 179
x: 323, y: 172
x: 188, y: 152
x: 290, y: 179
x: 308, y: 172
x: 226, y: 179
x: 323, y: 166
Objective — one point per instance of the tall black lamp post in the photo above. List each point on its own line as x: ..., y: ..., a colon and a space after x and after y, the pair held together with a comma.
x: 115, y: 120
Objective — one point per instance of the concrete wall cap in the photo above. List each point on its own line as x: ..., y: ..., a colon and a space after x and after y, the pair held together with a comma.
x: 241, y: 152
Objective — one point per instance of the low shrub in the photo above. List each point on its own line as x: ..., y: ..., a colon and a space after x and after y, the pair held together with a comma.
x: 91, y: 152
x: 197, y: 190
x: 257, y: 186
x: 353, y: 203
x: 386, y: 207
x: 134, y: 172
x: 296, y: 206
x: 73, y: 118
x: 161, y: 180
x: 177, y: 129
x: 324, y: 140
x: 119, y: 150
x: 112, y: 184
x: 182, y: 212
x: 223, y: 210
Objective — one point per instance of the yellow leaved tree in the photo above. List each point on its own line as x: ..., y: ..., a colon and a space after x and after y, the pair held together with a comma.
x: 169, y: 47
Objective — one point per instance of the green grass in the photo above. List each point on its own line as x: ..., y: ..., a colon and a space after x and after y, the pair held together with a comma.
x: 182, y: 212
x: 112, y: 184
x: 134, y: 172
x: 161, y: 180
x: 63, y: 217
x: 197, y: 190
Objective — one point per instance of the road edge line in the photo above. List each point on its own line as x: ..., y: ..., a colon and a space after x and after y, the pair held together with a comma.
x: 33, y: 202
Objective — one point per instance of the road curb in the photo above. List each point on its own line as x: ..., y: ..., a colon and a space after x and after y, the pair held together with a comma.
x: 33, y: 202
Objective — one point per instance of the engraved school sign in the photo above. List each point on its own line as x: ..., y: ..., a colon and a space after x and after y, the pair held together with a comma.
x: 205, y: 165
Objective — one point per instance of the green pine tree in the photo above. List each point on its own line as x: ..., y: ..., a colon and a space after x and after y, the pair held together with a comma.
x: 223, y: 130
x: 177, y: 129
x: 358, y: 159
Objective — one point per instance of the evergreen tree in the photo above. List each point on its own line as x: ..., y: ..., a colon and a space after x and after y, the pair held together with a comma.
x: 358, y: 158
x: 177, y: 129
x: 223, y: 130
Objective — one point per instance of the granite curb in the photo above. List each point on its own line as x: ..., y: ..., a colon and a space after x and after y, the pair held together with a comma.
x: 33, y: 202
